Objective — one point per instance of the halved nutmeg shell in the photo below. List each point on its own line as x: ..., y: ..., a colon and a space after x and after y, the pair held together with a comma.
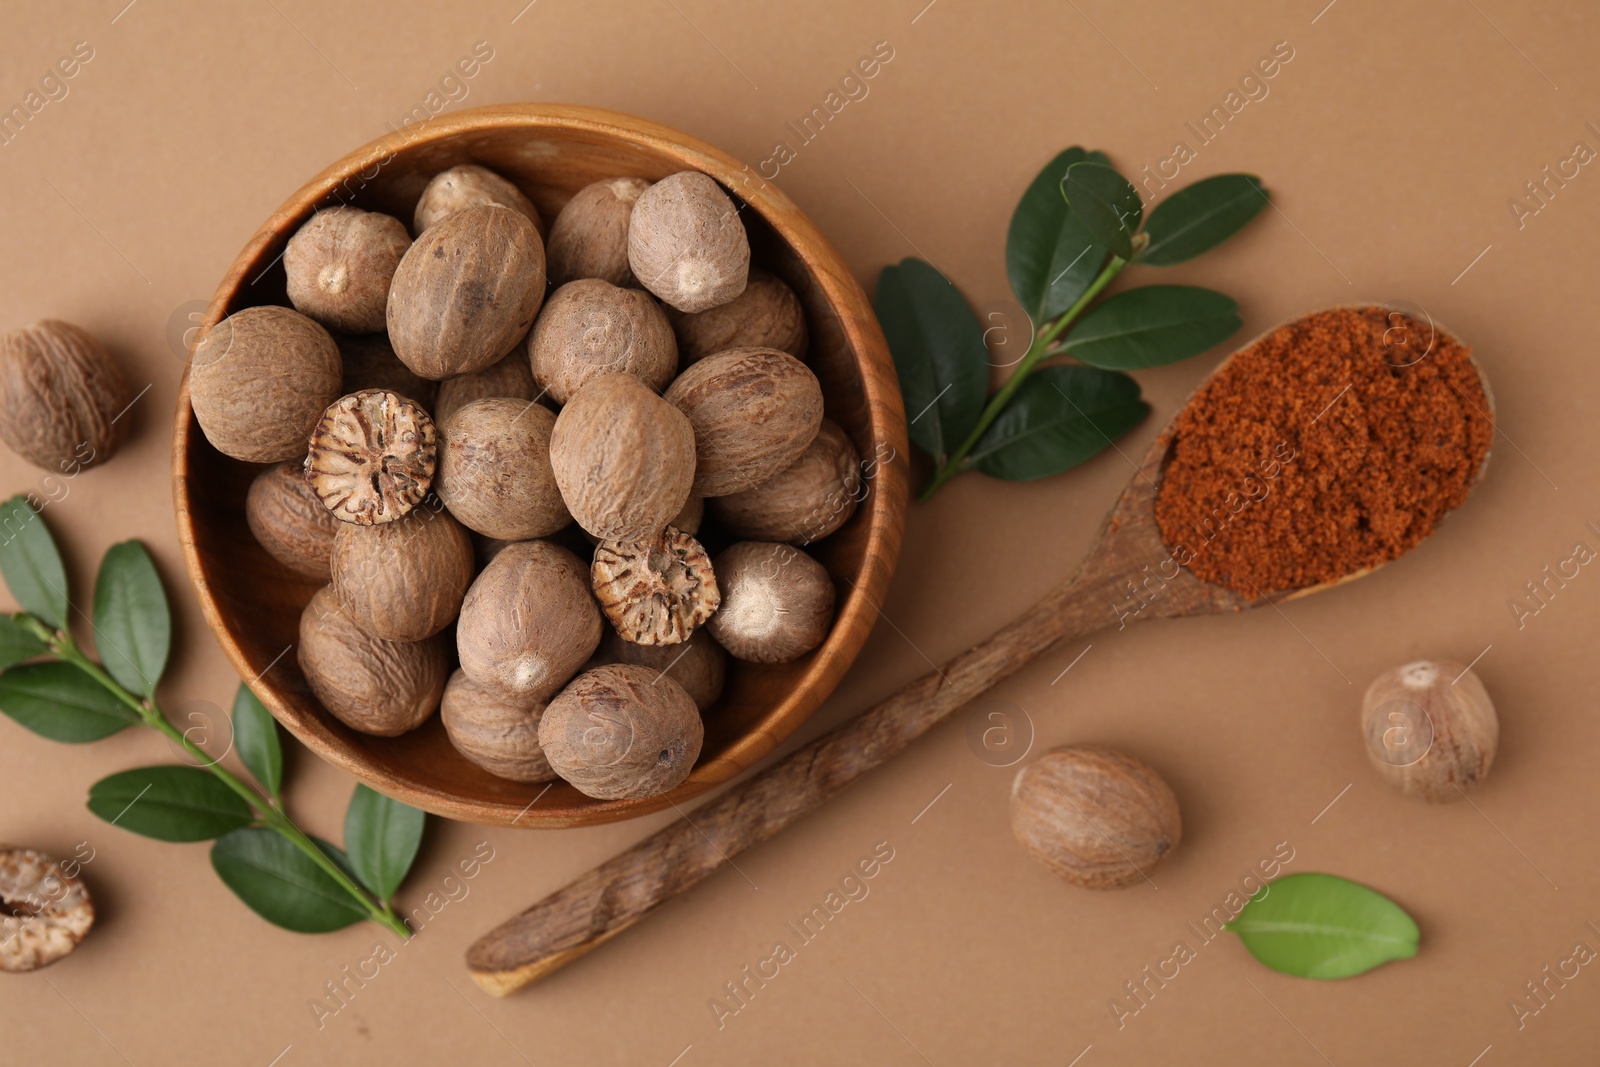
x: 44, y: 911
x: 372, y: 456
x: 655, y: 592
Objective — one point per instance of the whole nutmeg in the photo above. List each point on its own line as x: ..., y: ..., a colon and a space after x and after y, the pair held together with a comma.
x: 260, y: 380
x: 754, y: 411
x: 623, y: 457
x: 1430, y: 728
x: 466, y: 292
x: 339, y: 265
x: 372, y: 457
x: 620, y: 732
x: 370, y: 363
x: 806, y: 501
x: 529, y: 622
x: 766, y: 315
x: 589, y: 328
x: 698, y: 664
x: 494, y: 469
x: 369, y: 684
x: 777, y: 602
x: 686, y: 243
x: 403, y: 580
x: 690, y: 516
x: 61, y: 397
x: 289, y: 521
x: 511, y: 377
x: 45, y: 909
x: 1097, y: 817
x: 468, y: 186
x: 655, y: 592
x: 589, y: 238
x: 501, y: 738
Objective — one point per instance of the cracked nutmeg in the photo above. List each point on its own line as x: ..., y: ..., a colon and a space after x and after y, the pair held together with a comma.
x: 44, y: 911
x: 655, y: 592
x: 372, y: 457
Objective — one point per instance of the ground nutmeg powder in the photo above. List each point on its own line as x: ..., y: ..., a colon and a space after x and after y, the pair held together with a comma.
x: 1334, y: 443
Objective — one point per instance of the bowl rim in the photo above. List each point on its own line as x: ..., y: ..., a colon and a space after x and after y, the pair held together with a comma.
x: 861, y: 334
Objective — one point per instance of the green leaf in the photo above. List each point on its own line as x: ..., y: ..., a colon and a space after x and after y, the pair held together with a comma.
x: 132, y: 626
x: 59, y: 701
x: 1059, y: 417
x: 171, y: 803
x: 1050, y: 257
x: 282, y: 884
x: 31, y: 564
x: 1320, y: 926
x: 17, y: 643
x: 1151, y: 326
x: 939, y: 354
x: 1106, y: 203
x: 381, y: 836
x: 255, y: 732
x: 1199, y: 217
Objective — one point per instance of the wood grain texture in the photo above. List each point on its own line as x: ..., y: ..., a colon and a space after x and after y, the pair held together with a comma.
x: 550, y: 151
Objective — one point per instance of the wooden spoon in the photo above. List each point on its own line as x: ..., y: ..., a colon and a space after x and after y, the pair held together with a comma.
x: 607, y: 900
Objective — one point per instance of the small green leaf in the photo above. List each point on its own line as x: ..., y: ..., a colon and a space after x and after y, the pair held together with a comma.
x: 938, y: 353
x: 31, y: 564
x: 58, y: 701
x: 282, y: 884
x: 171, y: 803
x: 132, y: 625
x: 1059, y: 417
x: 1050, y: 257
x: 1151, y: 326
x: 255, y: 732
x: 1199, y: 217
x: 381, y: 836
x: 1106, y: 203
x: 17, y: 643
x: 1320, y: 926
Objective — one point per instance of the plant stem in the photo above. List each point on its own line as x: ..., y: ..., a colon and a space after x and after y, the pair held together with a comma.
x: 956, y: 463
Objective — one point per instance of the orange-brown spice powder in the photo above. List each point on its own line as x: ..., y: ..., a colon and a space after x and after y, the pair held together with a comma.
x: 1333, y: 444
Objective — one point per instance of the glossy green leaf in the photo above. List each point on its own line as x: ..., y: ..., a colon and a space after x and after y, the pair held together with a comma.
x: 17, y: 643
x: 172, y: 803
x: 132, y: 625
x: 1321, y: 926
x: 282, y: 884
x: 1050, y: 257
x: 1151, y: 326
x: 255, y: 734
x: 938, y: 351
x: 1060, y: 417
x: 1199, y: 217
x: 381, y: 837
x: 1107, y: 204
x: 31, y: 564
x: 58, y: 701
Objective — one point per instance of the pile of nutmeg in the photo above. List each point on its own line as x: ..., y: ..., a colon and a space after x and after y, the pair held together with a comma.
x: 439, y: 423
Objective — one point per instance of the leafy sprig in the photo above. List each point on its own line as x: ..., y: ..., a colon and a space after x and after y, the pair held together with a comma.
x: 50, y: 686
x: 1078, y: 225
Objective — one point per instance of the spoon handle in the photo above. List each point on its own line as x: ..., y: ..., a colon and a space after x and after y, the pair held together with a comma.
x: 610, y: 898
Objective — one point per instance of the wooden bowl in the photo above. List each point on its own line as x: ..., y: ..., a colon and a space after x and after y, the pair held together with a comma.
x: 254, y: 603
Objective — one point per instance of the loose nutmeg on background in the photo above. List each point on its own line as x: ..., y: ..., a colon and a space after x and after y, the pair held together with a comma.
x: 260, y: 380
x: 1430, y: 728
x: 369, y: 684
x: 403, y: 580
x: 290, y: 522
x: 339, y: 265
x: 754, y: 411
x: 494, y: 469
x: 1097, y: 817
x: 61, y: 397
x: 698, y: 664
x: 511, y: 377
x: 470, y: 185
x: 45, y: 912
x: 766, y: 315
x: 806, y: 501
x: 620, y: 732
x: 589, y: 239
x: 370, y: 363
x: 686, y: 243
x: 655, y: 592
x: 777, y: 602
x: 591, y: 327
x: 372, y: 457
x: 501, y: 738
x: 466, y: 292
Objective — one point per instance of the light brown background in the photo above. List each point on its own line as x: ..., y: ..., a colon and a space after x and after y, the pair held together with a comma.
x: 1392, y: 142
